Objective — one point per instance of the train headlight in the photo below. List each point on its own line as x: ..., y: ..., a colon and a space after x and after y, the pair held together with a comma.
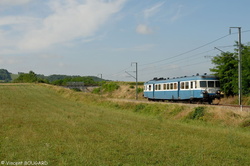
x: 205, y: 92
x: 218, y: 92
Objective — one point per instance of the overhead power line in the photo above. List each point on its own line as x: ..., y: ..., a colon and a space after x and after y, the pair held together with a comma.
x: 187, y: 51
x: 178, y: 55
x: 178, y: 60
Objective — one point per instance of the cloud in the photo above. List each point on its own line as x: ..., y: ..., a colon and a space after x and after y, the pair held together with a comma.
x: 14, y: 2
x: 12, y: 20
x: 145, y: 47
x: 147, y: 13
x: 143, y: 29
x: 178, y: 14
x: 50, y: 56
x: 70, y: 20
x: 152, y: 10
x: 9, y: 60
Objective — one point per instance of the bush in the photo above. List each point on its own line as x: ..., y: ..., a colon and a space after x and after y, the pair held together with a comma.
x: 110, y: 87
x: 30, y: 77
x: 197, y: 114
x: 96, y: 91
x: 131, y: 86
x: 139, y: 90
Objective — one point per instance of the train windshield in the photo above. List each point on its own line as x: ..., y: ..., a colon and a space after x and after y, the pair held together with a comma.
x: 209, y: 84
x: 203, y: 84
x: 217, y: 84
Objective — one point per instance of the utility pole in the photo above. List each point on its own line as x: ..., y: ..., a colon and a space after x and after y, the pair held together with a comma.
x: 101, y: 83
x: 136, y: 78
x: 239, y: 67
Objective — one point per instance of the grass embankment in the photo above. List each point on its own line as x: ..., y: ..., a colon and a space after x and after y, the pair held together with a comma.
x: 62, y: 127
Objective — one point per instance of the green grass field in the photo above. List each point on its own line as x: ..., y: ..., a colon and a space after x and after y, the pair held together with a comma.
x: 42, y: 123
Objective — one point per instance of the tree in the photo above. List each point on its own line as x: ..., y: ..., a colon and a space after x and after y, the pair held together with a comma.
x: 87, y: 80
x: 5, y: 75
x: 28, y: 78
x: 246, y: 69
x: 226, y: 68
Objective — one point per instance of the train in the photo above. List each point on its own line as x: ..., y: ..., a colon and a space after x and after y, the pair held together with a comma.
x: 193, y: 89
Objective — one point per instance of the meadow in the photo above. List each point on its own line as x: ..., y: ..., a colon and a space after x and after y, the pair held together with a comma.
x: 46, y: 123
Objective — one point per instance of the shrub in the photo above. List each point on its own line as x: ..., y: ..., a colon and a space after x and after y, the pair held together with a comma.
x: 96, y: 91
x: 131, y: 86
x: 110, y: 87
x: 197, y: 114
x: 139, y: 90
x: 29, y: 78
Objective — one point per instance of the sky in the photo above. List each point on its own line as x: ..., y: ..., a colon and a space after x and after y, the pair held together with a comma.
x: 107, y: 38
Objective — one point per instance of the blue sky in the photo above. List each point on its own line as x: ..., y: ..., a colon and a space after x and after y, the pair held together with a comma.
x: 167, y: 38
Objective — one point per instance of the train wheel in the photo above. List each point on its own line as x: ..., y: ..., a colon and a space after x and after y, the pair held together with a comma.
x: 210, y: 101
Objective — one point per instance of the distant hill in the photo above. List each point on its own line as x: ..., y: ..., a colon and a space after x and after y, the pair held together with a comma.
x: 6, y: 76
x: 62, y: 80
x: 56, y: 77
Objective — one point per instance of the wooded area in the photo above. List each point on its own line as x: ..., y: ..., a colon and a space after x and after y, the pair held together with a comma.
x: 226, y: 68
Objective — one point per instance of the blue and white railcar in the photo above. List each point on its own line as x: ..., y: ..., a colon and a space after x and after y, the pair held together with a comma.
x: 193, y: 88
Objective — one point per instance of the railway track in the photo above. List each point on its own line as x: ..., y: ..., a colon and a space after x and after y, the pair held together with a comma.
x: 227, y: 106
x: 241, y: 108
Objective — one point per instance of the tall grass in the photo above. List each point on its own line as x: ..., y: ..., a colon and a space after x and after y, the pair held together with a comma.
x: 62, y: 127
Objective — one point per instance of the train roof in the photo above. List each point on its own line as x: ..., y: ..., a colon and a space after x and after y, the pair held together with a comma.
x: 184, y: 78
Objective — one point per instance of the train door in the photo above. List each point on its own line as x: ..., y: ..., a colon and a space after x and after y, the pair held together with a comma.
x: 192, y: 87
x: 153, y: 88
x: 178, y: 90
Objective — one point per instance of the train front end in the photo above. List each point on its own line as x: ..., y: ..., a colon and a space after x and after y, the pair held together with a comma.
x: 210, y: 89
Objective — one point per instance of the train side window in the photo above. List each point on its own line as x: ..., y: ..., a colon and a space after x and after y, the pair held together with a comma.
x: 186, y: 85
x: 217, y: 84
x: 158, y: 87
x: 203, y: 84
x: 171, y: 86
x: 175, y: 85
x: 164, y: 86
x: 191, y: 85
x: 210, y: 84
x: 182, y: 85
x: 195, y: 84
x: 167, y: 86
x: 149, y: 87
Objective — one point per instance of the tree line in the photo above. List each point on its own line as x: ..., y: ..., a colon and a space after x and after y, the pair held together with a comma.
x: 60, y: 80
x: 226, y: 68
